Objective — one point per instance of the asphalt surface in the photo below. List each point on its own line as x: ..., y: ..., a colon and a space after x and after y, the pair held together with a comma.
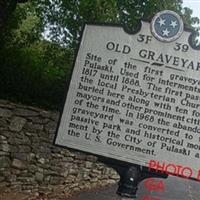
x: 175, y: 189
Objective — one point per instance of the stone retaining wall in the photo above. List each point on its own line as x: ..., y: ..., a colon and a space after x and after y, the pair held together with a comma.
x: 31, y: 164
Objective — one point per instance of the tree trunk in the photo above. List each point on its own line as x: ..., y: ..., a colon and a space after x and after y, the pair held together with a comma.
x: 6, y: 9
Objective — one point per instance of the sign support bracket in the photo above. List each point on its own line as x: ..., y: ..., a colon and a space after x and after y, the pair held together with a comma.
x: 131, y: 176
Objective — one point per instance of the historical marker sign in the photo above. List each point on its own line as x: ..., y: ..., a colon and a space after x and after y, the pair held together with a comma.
x: 135, y: 97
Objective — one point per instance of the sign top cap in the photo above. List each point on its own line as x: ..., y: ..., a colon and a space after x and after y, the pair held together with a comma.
x: 167, y: 26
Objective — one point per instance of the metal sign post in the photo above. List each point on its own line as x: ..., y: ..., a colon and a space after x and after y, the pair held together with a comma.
x: 130, y: 177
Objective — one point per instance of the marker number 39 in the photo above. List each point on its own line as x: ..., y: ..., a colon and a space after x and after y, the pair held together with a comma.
x: 181, y: 47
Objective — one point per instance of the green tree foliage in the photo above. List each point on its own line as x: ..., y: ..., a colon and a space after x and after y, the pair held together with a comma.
x: 34, y: 70
x: 66, y: 17
x: 35, y: 74
x: 24, y: 26
x: 9, y: 20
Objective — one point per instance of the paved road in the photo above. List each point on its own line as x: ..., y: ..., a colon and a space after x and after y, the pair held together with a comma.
x: 175, y: 189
